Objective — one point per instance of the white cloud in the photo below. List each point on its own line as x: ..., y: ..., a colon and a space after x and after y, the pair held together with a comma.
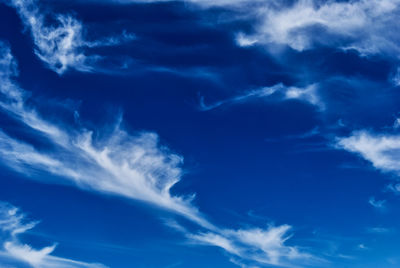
x: 200, y: 3
x: 377, y: 203
x: 382, y: 150
x: 245, y: 41
x: 306, y: 94
x: 61, y: 46
x: 13, y: 223
x: 133, y: 166
x: 215, y: 240
x: 368, y: 26
x: 251, y: 247
x: 362, y: 247
x: 262, y: 246
x: 253, y: 94
x: 271, y: 242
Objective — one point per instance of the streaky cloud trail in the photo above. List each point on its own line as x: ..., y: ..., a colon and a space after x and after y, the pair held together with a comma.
x: 133, y: 166
x: 13, y: 224
x: 63, y: 45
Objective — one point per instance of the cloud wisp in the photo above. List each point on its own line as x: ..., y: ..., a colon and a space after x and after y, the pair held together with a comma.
x: 13, y: 223
x: 306, y: 94
x: 382, y: 150
x: 378, y: 204
x: 62, y: 45
x: 367, y: 26
x: 199, y: 3
x: 361, y: 25
x: 132, y: 166
x: 257, y: 246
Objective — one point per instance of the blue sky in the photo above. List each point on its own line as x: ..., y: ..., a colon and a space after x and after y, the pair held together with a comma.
x: 199, y: 133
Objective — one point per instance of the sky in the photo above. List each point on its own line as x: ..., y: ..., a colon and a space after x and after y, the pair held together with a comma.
x: 199, y: 133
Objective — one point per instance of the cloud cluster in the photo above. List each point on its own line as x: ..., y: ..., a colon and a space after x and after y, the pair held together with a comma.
x: 306, y: 94
x: 133, y: 166
x: 13, y: 223
x: 62, y: 45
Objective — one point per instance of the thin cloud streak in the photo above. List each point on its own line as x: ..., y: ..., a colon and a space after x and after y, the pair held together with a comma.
x: 281, y: 92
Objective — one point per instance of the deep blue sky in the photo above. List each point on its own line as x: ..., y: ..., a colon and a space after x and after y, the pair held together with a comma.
x: 243, y: 133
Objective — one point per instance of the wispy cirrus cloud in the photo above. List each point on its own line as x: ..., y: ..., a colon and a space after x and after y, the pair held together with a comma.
x: 200, y: 3
x: 306, y: 94
x: 367, y: 26
x: 13, y: 224
x: 256, y: 245
x: 379, y: 204
x: 253, y: 94
x: 133, y: 166
x: 361, y: 25
x: 382, y: 150
x: 62, y: 45
x: 253, y: 246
